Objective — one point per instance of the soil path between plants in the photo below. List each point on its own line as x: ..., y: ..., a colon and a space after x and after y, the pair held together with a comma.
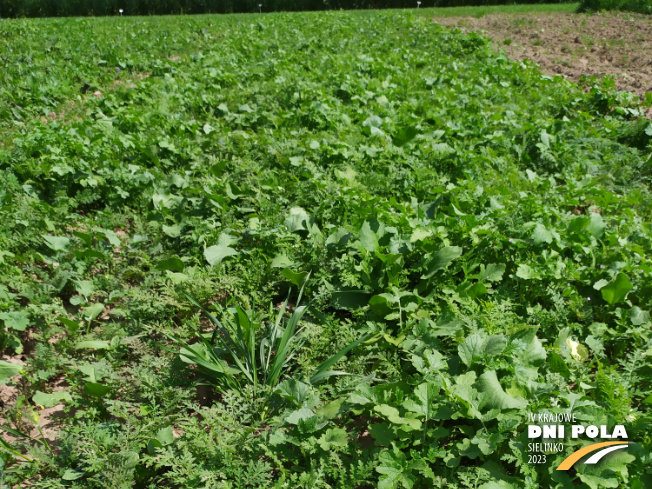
x: 573, y: 45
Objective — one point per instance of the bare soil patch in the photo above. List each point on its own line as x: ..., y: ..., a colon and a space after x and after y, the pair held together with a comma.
x: 9, y: 393
x: 50, y: 419
x: 573, y: 45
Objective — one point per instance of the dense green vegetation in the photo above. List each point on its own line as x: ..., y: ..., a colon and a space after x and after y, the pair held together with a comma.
x: 471, y: 239
x: 75, y: 8
x: 498, y: 9
x: 640, y: 6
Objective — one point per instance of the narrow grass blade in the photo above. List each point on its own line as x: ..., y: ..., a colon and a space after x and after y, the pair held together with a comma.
x: 322, y: 370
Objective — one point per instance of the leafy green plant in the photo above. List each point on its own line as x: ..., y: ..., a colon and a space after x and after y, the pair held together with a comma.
x: 640, y: 6
x: 245, y: 350
x: 485, y: 227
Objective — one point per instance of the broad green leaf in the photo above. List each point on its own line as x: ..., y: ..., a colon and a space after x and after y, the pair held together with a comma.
x: 73, y: 325
x: 405, y: 135
x: 71, y: 475
x: 380, y: 304
x: 57, y: 243
x: 525, y: 272
x: 173, y: 231
x: 393, y: 416
x: 494, y: 395
x: 216, y: 253
x: 476, y: 290
x: 16, y: 320
x: 84, y: 287
x: 333, y: 438
x: 387, y: 411
x: 545, y: 138
x: 368, y: 238
x: 152, y: 445
x: 429, y: 361
x: 281, y: 261
x: 110, y: 236
x: 173, y: 264
x: 442, y: 259
x: 477, y: 347
x: 526, y: 348
x: 349, y: 175
x: 294, y: 391
x: 497, y: 485
x: 81, y: 255
x: 177, y: 278
x: 95, y: 389
x: 296, y: 278
x: 165, y: 436
x: 373, y: 121
x: 494, y: 272
x: 596, y: 225
x: 423, y: 400
x: 49, y: 400
x: 92, y: 311
x: 420, y: 234
x: 637, y: 316
x: 598, y: 481
x: 394, y: 467
x: 90, y: 374
x: 226, y: 239
x: 494, y: 345
x: 558, y: 365
x: 383, y: 433
x: 330, y: 410
x: 541, y: 235
x: 578, y: 224
x: 8, y: 370
x: 338, y: 238
x: 616, y: 290
x: 93, y: 344
x: 297, y: 219
x: 606, y: 473
x: 600, y: 283
x: 310, y: 425
x: 472, y: 349
x: 299, y: 415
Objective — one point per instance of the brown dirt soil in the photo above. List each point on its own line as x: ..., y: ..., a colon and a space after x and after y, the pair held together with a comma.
x: 618, y: 44
x: 50, y: 419
x: 9, y: 393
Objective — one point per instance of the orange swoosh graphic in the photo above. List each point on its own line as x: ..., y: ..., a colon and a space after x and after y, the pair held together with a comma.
x: 574, y: 457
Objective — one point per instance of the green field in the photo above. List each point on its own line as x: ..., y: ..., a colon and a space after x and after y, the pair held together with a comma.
x: 366, y: 193
x: 498, y: 9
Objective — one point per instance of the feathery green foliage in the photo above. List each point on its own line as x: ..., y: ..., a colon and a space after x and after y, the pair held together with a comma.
x: 477, y: 237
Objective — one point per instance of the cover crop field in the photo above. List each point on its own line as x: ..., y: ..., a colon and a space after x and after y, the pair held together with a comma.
x: 359, y: 192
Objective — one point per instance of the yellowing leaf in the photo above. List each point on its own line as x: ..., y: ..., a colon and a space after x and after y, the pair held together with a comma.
x: 578, y: 351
